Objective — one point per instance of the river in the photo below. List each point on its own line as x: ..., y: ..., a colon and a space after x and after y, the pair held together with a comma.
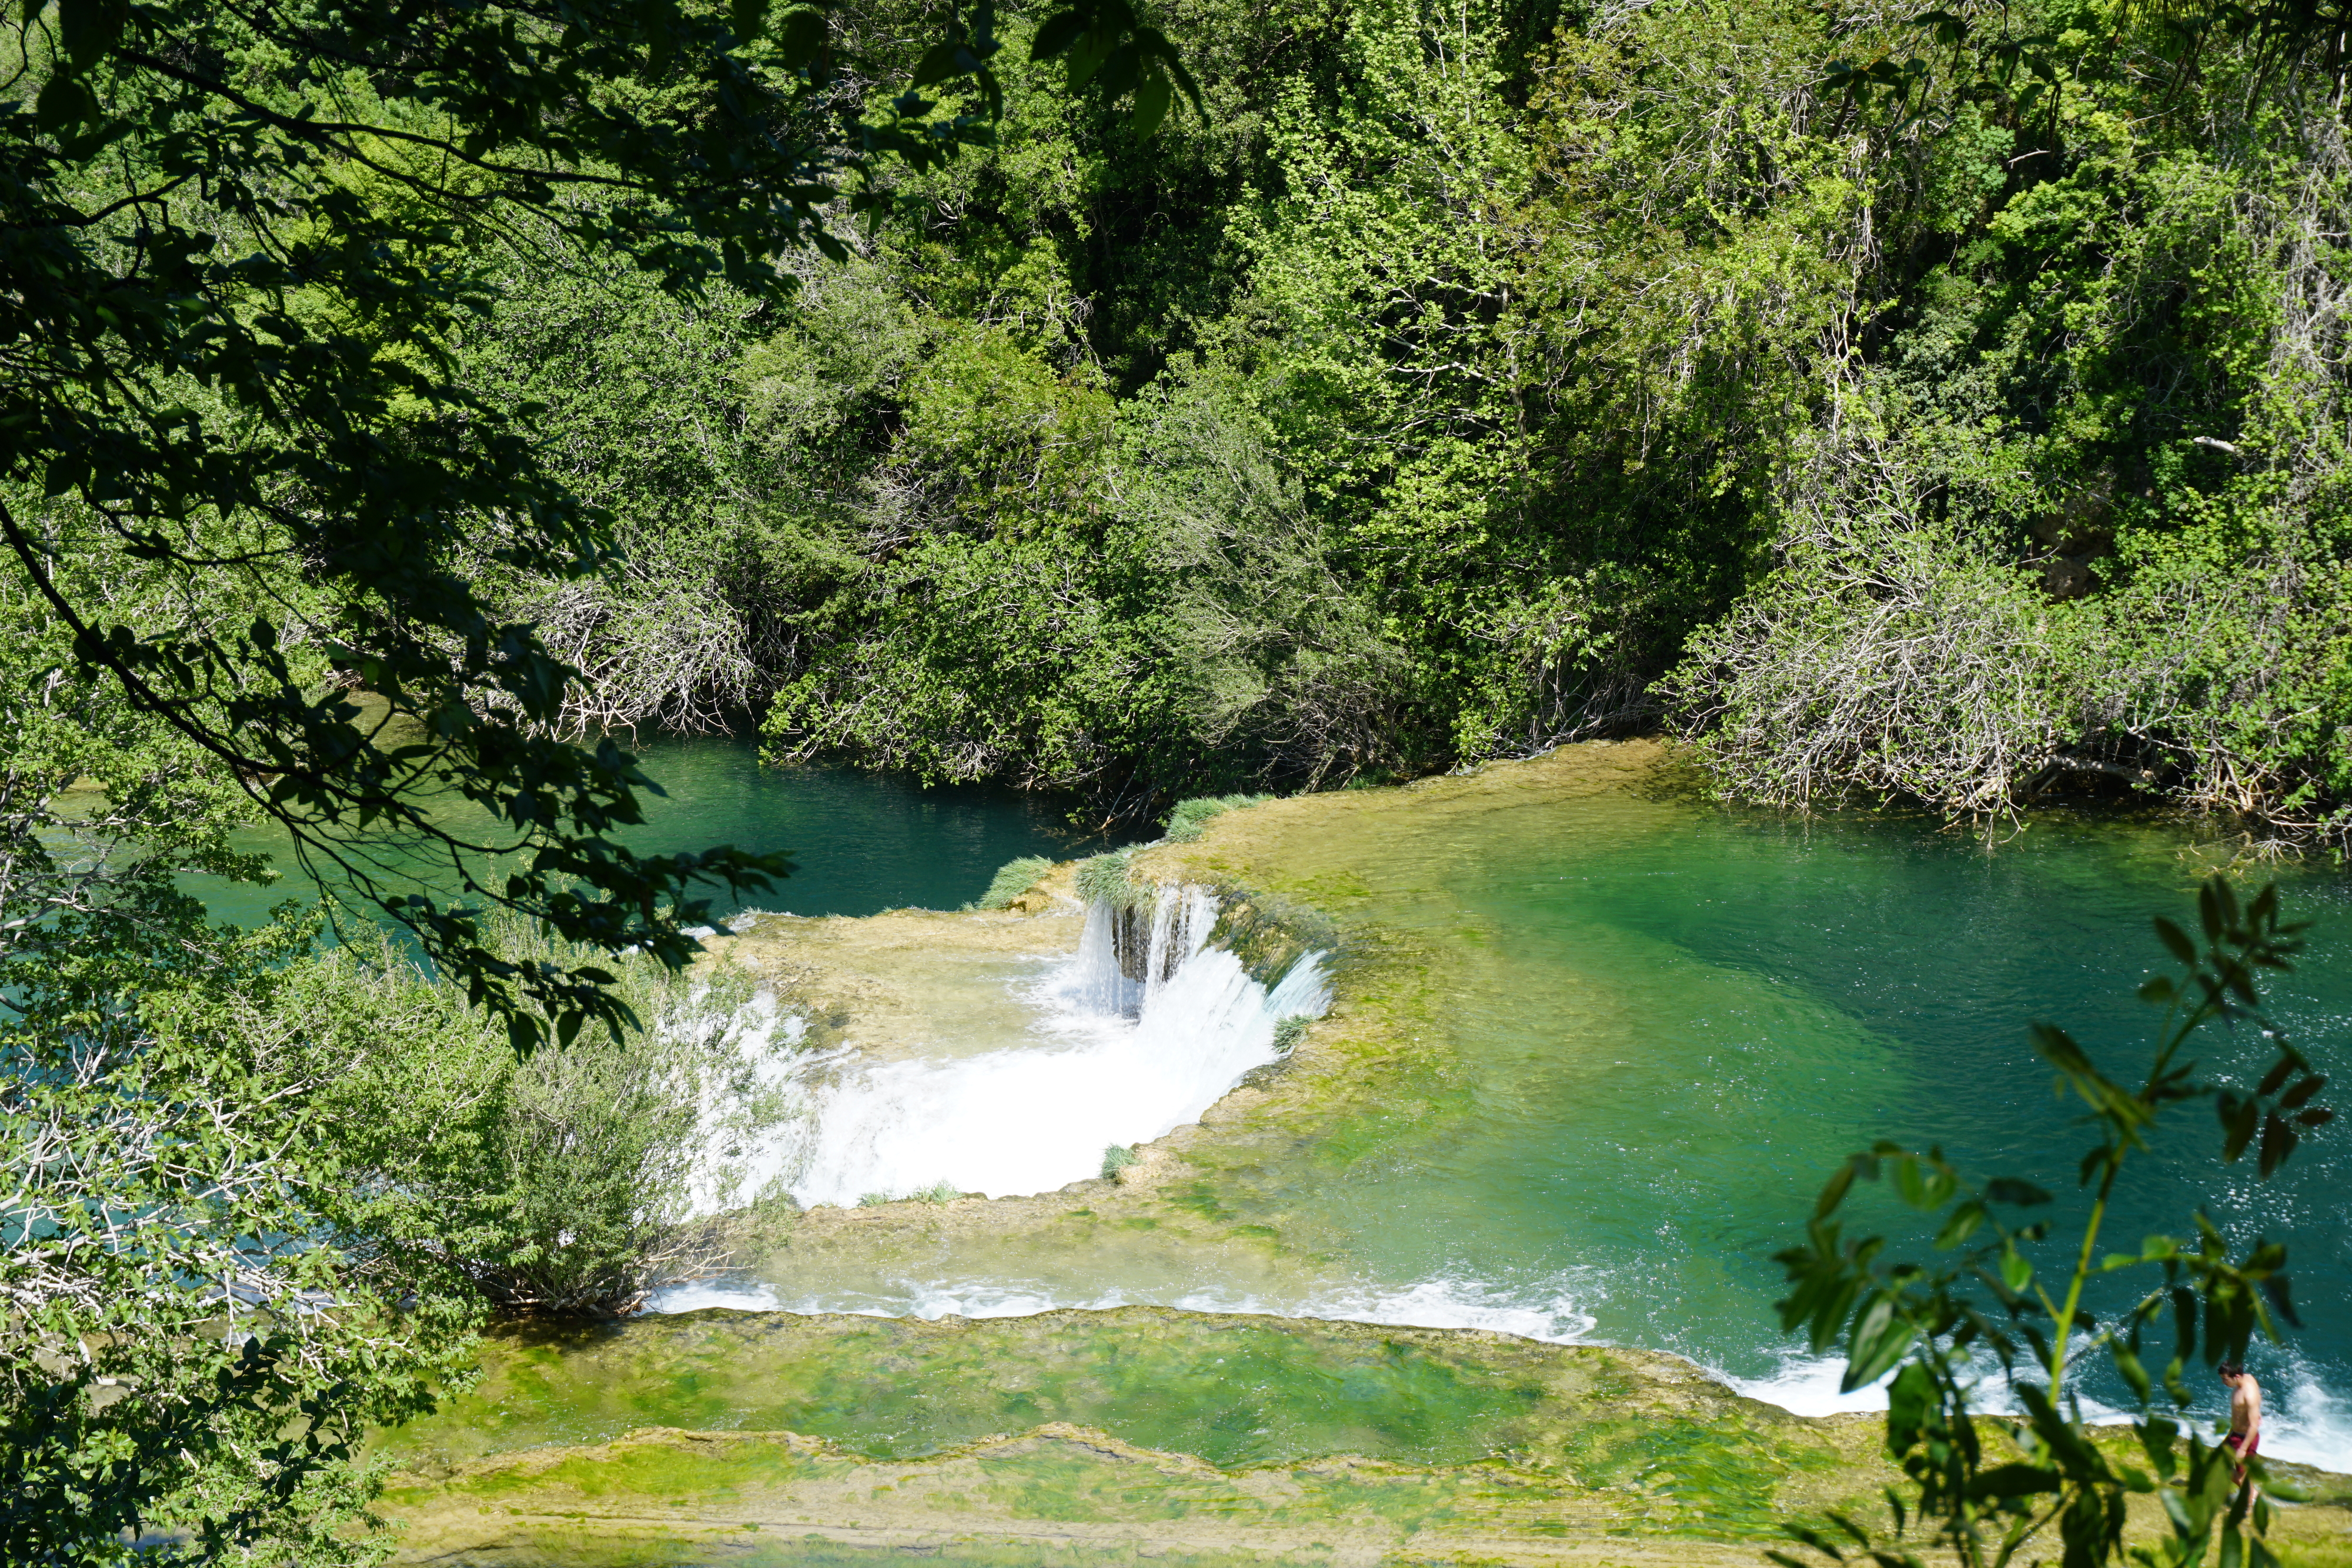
x: 1644, y: 1028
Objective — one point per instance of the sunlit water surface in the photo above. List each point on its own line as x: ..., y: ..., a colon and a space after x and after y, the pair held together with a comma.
x: 1681, y: 1018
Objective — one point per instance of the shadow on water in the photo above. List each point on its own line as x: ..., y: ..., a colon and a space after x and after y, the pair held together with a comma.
x: 860, y: 842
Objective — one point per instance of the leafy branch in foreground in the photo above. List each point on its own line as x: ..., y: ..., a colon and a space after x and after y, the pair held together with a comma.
x: 1989, y: 1487
x: 233, y: 244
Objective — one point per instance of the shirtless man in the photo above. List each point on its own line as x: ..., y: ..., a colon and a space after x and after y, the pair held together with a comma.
x: 2245, y: 1413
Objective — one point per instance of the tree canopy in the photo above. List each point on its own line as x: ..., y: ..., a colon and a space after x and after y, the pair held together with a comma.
x: 239, y: 469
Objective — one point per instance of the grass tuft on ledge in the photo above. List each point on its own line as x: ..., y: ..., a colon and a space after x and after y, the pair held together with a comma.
x: 1013, y: 879
x: 1187, y: 820
x: 1110, y: 879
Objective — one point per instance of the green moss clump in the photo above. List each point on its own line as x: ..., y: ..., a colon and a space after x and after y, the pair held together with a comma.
x: 1269, y: 935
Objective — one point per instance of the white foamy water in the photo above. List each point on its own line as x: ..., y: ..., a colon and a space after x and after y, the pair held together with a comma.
x: 1139, y: 1033
x: 1117, y: 1059
x: 2302, y: 1421
x: 1433, y: 1304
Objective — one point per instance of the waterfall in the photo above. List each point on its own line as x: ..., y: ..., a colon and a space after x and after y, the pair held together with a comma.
x: 1139, y: 1032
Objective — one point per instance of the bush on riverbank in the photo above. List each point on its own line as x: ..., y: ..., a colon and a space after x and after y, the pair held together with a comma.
x: 560, y: 1183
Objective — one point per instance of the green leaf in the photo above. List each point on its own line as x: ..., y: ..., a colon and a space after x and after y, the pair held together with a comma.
x: 1059, y: 32
x: 2241, y: 1119
x: 89, y: 27
x: 802, y: 38
x: 2176, y: 939
x: 1963, y: 1224
x: 940, y: 63
x: 1834, y: 1191
x: 2015, y: 1271
x: 63, y: 104
x: 2014, y: 1480
x: 2303, y: 1090
x: 2134, y: 1373
x: 1879, y: 1340
x: 2279, y: 1140
x: 1151, y: 102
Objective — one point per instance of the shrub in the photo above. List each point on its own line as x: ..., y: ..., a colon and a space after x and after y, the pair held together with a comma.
x: 559, y: 1183
x: 1117, y: 1159
x: 941, y: 1192
x: 1289, y: 1032
x: 1889, y: 657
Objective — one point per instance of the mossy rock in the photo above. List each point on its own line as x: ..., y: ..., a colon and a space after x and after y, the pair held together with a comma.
x: 1269, y: 935
x: 1053, y: 1496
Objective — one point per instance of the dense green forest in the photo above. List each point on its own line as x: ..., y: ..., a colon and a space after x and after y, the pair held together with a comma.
x: 1470, y: 378
x: 1942, y: 407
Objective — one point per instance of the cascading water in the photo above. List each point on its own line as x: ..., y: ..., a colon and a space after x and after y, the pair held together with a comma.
x: 1137, y: 1033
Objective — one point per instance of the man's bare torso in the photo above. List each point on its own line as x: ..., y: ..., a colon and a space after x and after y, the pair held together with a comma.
x: 2245, y: 1411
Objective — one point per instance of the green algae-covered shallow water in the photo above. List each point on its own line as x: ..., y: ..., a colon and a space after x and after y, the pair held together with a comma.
x: 1134, y: 1434
x: 1084, y: 1436
x: 1235, y: 1391
x: 1623, y: 1036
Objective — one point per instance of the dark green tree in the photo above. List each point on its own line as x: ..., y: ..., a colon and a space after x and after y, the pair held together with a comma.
x: 231, y: 246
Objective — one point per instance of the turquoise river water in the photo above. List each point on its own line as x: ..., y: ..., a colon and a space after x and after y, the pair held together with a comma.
x: 1663, y: 1023
x: 861, y: 843
x: 1673, y: 1020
